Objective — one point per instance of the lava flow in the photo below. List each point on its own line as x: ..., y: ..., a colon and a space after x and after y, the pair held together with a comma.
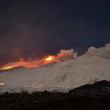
x: 8, y: 67
x: 64, y: 55
x: 29, y: 64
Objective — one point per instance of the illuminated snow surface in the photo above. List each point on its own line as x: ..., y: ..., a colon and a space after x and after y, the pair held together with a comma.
x: 56, y: 76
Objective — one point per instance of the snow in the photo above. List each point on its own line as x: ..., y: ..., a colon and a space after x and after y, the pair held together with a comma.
x: 57, y: 76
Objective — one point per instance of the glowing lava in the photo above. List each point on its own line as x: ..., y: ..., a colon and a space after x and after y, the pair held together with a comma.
x: 49, y: 58
x: 29, y: 64
x: 6, y: 68
x: 64, y: 55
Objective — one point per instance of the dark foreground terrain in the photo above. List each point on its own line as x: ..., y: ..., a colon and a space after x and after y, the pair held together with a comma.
x: 87, y: 97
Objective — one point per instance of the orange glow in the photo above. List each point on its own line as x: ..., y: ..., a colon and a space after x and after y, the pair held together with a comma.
x: 6, y: 68
x: 64, y: 55
x: 49, y: 58
x: 28, y: 64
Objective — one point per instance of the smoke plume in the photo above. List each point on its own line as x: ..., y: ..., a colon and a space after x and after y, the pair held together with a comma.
x: 66, y: 55
x: 103, y: 52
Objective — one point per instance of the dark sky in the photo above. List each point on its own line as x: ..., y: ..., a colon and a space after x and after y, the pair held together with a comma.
x: 34, y: 28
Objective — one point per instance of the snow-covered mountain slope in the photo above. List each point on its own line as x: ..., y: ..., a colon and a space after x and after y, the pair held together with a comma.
x: 69, y: 74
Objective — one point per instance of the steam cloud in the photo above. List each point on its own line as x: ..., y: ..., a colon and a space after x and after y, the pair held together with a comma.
x: 103, y: 52
x: 66, y: 55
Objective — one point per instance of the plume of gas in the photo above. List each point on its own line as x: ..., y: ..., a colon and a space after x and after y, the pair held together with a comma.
x: 103, y: 52
x: 65, y: 55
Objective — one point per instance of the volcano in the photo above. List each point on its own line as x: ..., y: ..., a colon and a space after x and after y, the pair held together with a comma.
x: 64, y: 71
x: 57, y: 76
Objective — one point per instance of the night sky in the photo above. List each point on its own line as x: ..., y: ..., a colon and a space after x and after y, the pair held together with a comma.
x: 35, y: 28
